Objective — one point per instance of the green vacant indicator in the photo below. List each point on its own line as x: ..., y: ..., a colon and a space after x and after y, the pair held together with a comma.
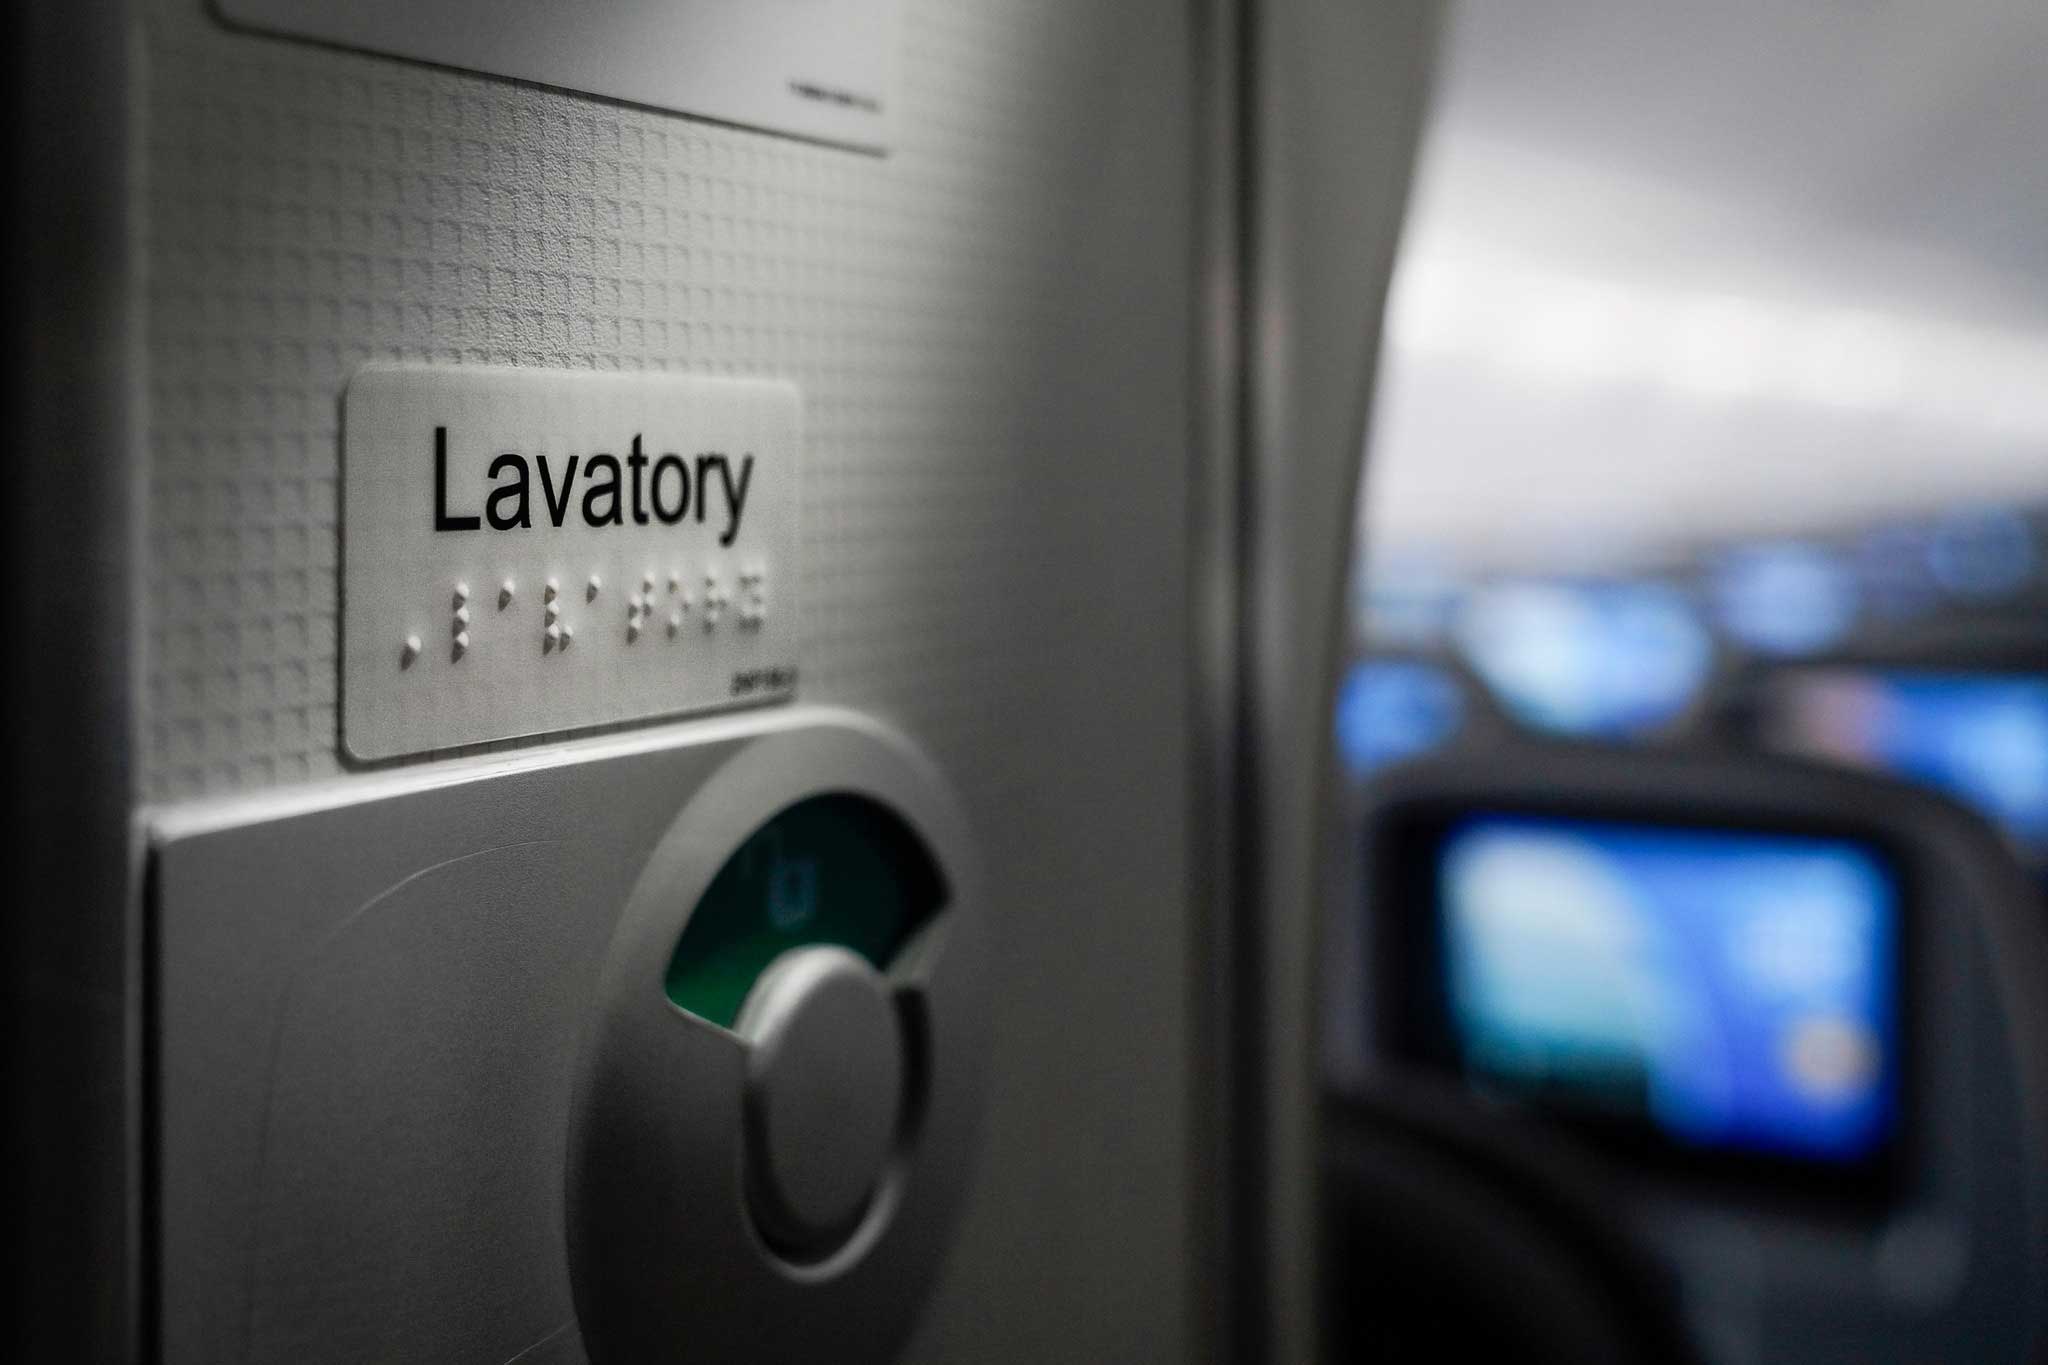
x: 838, y: 869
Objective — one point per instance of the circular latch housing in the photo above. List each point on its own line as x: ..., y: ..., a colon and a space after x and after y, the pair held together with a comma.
x: 779, y: 1094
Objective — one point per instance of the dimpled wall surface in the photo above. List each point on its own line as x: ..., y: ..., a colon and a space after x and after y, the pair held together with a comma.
x: 990, y: 328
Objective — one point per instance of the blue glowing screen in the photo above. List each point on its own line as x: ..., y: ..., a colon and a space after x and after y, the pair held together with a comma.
x: 1734, y: 990
x: 1784, y: 598
x: 1606, y: 660
x: 1390, y: 709
x: 1980, y: 737
x: 1982, y: 552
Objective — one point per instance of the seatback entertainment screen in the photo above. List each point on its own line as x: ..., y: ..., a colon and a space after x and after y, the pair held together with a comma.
x: 1715, y: 990
x: 1980, y: 737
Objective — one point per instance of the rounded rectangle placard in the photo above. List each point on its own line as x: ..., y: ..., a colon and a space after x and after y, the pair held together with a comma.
x: 531, y: 551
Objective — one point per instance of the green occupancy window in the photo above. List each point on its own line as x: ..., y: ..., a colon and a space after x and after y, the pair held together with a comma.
x: 836, y: 869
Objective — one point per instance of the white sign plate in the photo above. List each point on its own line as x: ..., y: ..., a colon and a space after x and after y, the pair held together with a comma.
x: 820, y: 69
x: 534, y: 551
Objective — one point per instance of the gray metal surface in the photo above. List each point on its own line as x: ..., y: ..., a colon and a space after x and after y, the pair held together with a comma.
x: 1336, y: 97
x: 991, y: 327
x: 397, y: 1026
x: 824, y: 1094
x: 73, y: 1057
x: 821, y: 71
x: 668, y: 1260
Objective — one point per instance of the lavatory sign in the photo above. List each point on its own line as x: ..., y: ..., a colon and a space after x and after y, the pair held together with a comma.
x: 528, y: 552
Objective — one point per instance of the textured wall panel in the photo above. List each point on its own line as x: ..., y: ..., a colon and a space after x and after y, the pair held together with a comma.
x: 991, y: 331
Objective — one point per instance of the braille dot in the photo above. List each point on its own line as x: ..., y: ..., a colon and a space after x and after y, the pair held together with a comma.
x: 591, y: 590
x: 461, y: 643
x: 633, y: 604
x: 506, y: 592
x: 632, y: 630
x: 410, y: 652
x: 647, y: 582
x: 675, y: 622
x: 553, y: 590
x: 461, y: 593
x: 461, y: 617
x: 554, y: 634
x: 553, y: 610
x: 675, y: 582
x: 568, y: 636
